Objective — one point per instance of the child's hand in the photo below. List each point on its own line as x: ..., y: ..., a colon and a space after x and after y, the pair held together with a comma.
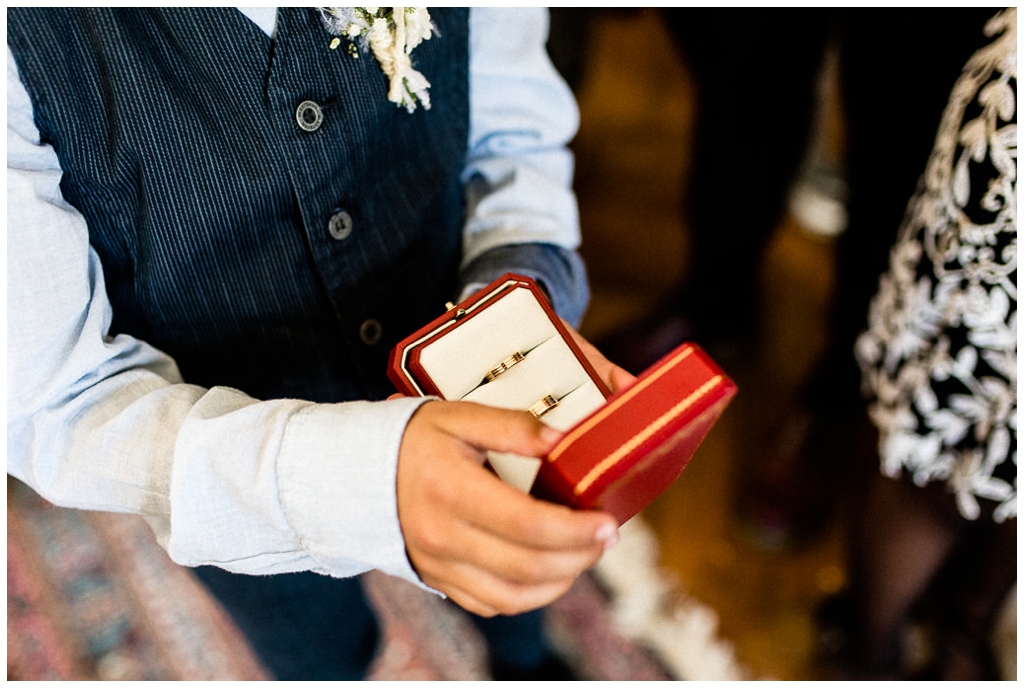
x: 488, y: 546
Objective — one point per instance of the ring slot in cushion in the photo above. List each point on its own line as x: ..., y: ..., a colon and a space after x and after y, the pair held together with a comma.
x: 580, y: 403
x: 458, y: 362
x: 550, y: 368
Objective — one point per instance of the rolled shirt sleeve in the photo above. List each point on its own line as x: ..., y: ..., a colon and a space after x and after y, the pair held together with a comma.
x: 519, y: 172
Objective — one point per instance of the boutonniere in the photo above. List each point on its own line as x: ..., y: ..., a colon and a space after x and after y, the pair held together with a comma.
x: 391, y: 33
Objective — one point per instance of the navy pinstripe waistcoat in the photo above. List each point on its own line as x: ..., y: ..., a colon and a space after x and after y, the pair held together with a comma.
x: 211, y: 207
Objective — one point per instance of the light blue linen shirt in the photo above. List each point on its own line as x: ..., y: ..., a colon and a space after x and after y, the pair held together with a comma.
x: 260, y: 487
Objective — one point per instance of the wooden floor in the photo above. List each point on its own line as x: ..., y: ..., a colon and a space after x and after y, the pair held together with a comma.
x: 636, y: 109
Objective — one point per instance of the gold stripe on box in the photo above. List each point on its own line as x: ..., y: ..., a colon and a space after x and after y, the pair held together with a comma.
x: 625, y: 449
x: 612, y: 407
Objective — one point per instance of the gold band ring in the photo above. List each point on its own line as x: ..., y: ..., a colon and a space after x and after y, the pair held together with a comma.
x: 503, y: 366
x: 543, y: 406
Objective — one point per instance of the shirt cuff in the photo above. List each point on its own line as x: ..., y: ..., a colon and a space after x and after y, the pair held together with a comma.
x: 559, y: 272
x: 337, y: 474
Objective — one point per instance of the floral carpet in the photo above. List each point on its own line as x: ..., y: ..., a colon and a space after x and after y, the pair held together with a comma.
x: 91, y: 596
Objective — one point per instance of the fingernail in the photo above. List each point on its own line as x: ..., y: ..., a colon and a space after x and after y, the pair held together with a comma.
x: 608, y: 535
x: 550, y: 435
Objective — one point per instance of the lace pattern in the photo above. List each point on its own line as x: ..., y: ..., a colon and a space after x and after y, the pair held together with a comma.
x: 940, y: 356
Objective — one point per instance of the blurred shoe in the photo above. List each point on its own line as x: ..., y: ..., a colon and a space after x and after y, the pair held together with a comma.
x: 842, y: 655
x: 818, y: 201
x: 950, y: 647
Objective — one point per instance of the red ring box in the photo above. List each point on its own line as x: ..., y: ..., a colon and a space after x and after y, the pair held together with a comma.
x: 504, y: 346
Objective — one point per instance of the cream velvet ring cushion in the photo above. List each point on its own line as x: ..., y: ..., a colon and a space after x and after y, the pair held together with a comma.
x: 458, y: 362
x: 549, y: 370
x: 511, y: 355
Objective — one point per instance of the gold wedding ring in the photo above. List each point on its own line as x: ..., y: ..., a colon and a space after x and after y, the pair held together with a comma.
x: 503, y: 366
x: 543, y: 406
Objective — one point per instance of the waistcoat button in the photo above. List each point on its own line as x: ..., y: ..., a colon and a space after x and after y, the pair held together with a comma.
x: 340, y: 225
x: 370, y: 331
x: 309, y: 115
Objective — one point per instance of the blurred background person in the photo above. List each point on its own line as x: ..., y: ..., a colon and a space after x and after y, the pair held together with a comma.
x: 935, y: 539
x: 757, y: 74
x: 893, y: 72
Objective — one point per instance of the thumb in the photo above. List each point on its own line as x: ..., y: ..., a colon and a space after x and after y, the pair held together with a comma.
x: 490, y: 428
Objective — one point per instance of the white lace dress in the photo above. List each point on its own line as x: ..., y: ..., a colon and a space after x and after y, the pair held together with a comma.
x: 940, y: 356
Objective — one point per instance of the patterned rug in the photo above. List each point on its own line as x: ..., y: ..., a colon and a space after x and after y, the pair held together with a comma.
x: 91, y: 596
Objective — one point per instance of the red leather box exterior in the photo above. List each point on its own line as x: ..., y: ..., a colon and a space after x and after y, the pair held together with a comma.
x: 629, y: 451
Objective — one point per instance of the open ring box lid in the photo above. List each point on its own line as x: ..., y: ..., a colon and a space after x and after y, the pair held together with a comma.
x: 504, y: 346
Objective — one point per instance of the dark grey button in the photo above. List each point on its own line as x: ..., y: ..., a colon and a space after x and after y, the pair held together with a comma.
x: 370, y: 331
x: 309, y: 115
x: 340, y: 225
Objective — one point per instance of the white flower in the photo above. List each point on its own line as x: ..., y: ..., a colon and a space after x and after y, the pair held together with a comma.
x: 391, y: 33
